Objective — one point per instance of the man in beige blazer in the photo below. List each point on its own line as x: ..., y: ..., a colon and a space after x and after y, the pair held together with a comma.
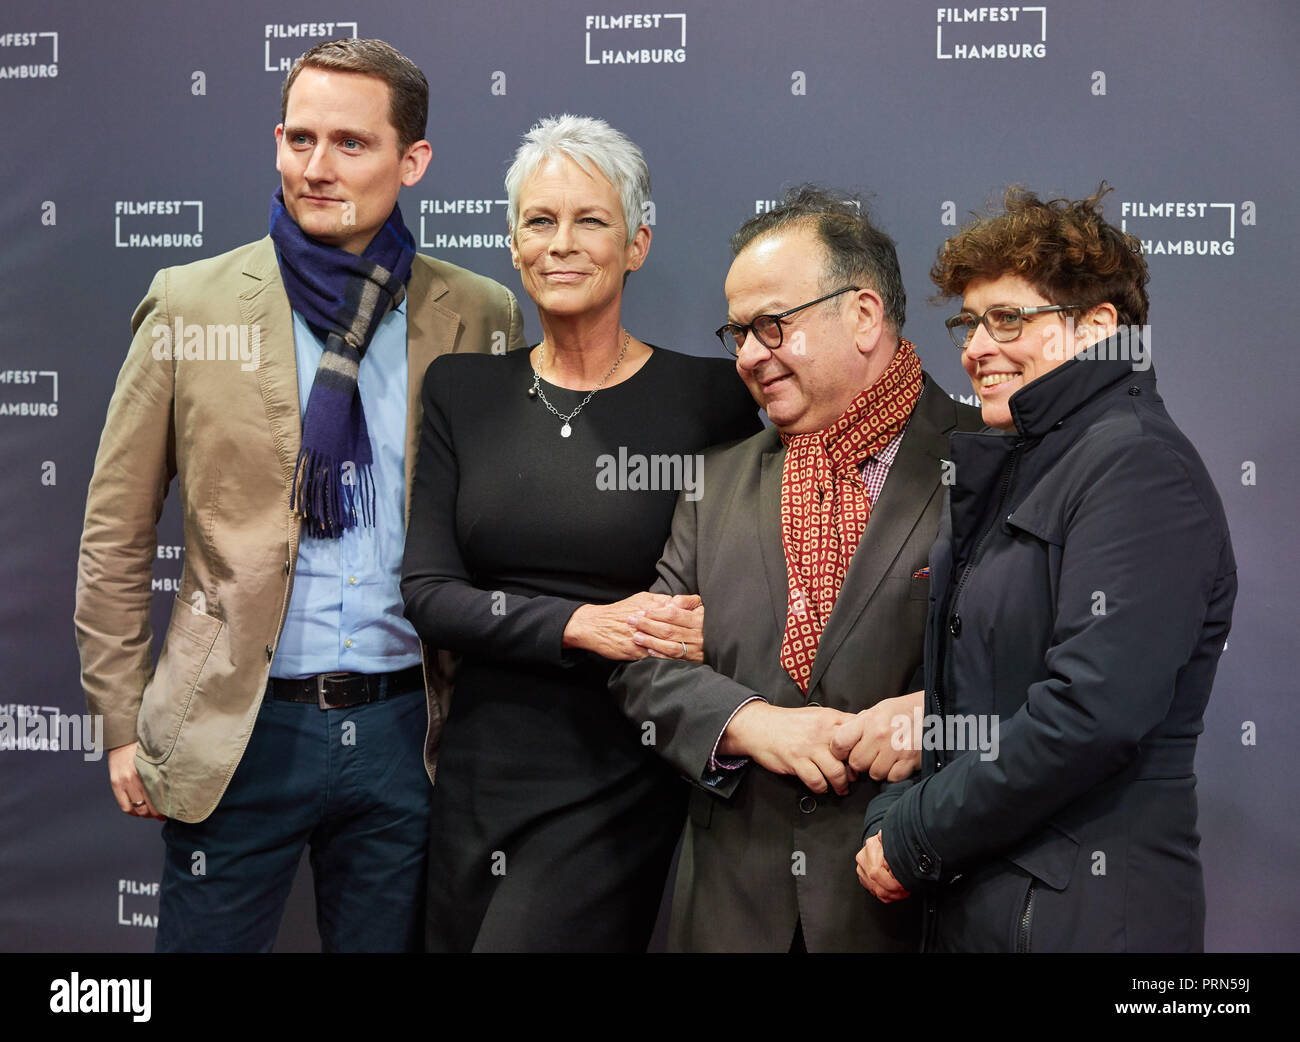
x: 785, y: 731
x: 248, y: 763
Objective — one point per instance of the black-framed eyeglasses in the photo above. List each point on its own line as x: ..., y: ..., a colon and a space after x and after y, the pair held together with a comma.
x: 766, y: 328
x: 1003, y: 321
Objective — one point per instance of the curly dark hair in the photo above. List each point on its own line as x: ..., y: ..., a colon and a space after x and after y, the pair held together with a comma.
x: 1065, y: 249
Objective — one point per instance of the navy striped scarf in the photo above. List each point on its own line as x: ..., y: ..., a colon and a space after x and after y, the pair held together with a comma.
x: 343, y: 298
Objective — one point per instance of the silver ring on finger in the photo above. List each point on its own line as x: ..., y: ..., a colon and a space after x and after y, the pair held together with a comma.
x: 137, y: 803
x: 683, y: 644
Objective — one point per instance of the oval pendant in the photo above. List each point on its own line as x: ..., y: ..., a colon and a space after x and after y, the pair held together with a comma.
x: 565, y: 431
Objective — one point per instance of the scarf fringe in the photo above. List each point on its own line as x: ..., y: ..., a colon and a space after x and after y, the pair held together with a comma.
x: 326, y: 503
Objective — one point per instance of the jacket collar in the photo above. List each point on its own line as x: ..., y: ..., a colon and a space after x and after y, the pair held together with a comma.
x: 1056, y: 395
x: 431, y: 330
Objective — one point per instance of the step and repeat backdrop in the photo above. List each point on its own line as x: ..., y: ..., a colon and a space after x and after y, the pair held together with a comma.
x: 140, y: 135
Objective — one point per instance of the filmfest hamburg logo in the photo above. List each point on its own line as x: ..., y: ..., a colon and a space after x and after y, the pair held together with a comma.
x: 18, y: 63
x: 137, y: 903
x: 764, y: 205
x: 157, y: 222
x: 1184, y: 228
x: 635, y: 39
x: 982, y: 33
x: 168, y: 583
x: 461, y: 224
x: 298, y: 38
x: 25, y: 392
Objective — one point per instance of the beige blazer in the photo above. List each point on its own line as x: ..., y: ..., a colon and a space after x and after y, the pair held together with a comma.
x: 228, y: 429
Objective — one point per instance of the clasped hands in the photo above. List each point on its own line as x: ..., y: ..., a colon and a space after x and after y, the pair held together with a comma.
x: 644, y: 625
x: 826, y: 748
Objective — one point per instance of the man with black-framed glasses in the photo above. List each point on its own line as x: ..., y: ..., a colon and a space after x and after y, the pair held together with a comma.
x: 809, y: 548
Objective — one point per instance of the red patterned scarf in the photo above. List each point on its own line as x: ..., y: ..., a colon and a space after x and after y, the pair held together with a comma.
x: 824, y: 504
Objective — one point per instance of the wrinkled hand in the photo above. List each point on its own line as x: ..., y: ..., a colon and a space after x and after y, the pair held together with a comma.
x: 874, y: 873
x: 879, y: 741
x: 127, y: 787
x: 790, y: 741
x: 605, y: 630
x: 674, y: 630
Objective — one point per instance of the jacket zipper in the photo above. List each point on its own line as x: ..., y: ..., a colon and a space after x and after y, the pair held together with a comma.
x: 1026, y: 919
x: 1007, y: 471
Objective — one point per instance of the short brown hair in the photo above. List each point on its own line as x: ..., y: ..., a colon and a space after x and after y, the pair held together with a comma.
x: 1066, y: 250
x: 408, y: 90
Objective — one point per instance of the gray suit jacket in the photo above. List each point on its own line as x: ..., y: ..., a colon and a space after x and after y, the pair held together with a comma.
x: 760, y: 850
x: 229, y: 432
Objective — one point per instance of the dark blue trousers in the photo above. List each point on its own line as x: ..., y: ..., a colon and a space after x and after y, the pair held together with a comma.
x: 349, y: 783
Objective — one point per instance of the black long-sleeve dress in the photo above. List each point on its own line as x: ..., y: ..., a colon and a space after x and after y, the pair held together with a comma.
x: 553, y: 820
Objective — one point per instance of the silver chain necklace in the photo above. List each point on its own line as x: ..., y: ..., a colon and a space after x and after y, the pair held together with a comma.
x: 536, y: 390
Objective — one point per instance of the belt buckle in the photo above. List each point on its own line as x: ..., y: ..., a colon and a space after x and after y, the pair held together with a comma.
x: 322, y: 679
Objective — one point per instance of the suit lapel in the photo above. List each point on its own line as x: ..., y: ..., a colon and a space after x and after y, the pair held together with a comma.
x: 768, y: 525
x: 913, y: 481
x: 431, y: 330
x: 265, y: 306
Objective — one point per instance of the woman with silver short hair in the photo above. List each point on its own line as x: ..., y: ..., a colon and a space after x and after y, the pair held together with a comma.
x: 543, y: 496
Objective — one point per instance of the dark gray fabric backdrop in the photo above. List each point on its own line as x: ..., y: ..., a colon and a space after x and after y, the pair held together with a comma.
x: 1188, y: 109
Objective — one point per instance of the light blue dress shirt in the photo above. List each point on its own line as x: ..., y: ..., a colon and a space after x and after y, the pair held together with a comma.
x: 345, y: 613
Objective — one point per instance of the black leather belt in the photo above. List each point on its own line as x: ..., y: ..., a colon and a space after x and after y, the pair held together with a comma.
x: 341, y: 690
